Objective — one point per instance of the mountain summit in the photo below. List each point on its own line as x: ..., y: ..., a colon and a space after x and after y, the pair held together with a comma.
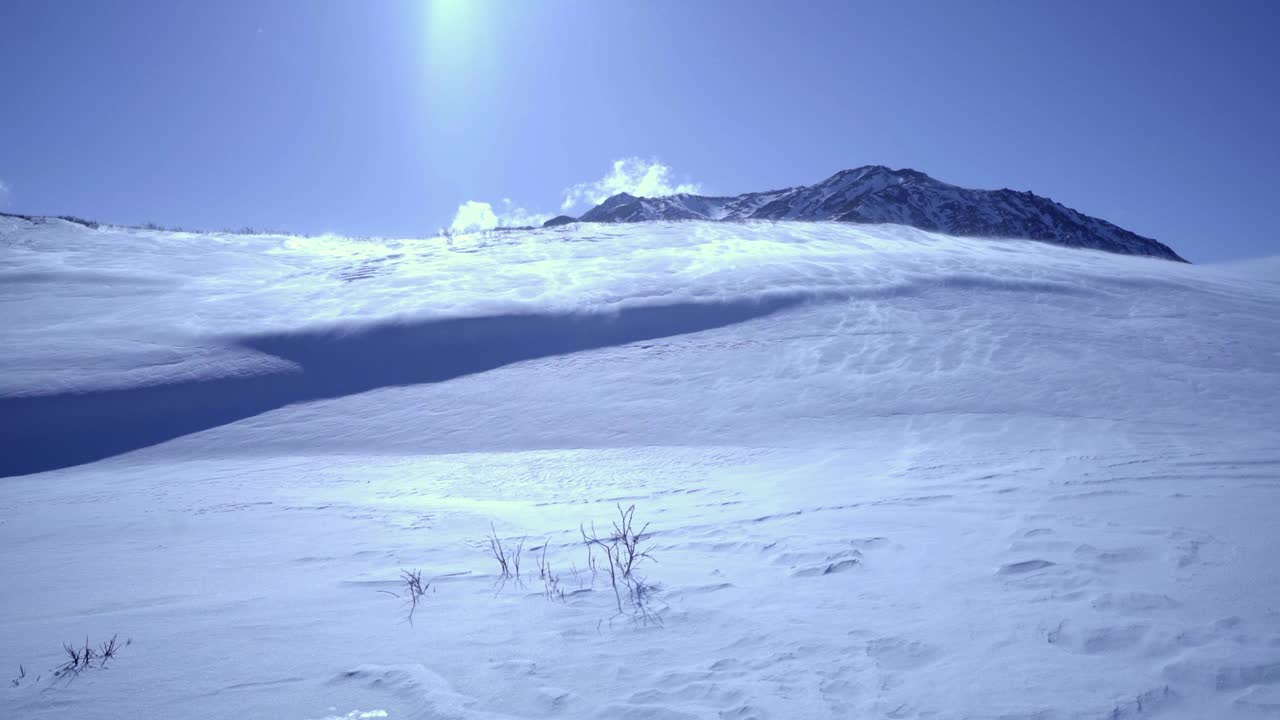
x: 877, y: 194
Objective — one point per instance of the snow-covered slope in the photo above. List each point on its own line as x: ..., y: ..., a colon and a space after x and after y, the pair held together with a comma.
x: 876, y: 194
x: 889, y: 473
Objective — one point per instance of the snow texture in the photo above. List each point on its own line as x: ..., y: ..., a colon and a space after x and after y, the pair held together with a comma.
x: 889, y: 474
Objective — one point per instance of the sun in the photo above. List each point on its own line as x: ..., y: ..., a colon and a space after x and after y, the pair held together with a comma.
x: 454, y: 28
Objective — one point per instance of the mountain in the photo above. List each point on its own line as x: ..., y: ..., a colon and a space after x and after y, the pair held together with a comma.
x: 877, y: 194
x: 559, y: 220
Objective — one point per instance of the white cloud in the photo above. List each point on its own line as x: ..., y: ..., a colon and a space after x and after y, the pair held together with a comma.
x: 642, y: 178
x: 476, y: 216
x: 630, y: 175
x: 473, y: 216
x: 4, y: 193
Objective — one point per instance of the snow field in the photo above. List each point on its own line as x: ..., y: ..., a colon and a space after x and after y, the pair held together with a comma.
x: 889, y: 474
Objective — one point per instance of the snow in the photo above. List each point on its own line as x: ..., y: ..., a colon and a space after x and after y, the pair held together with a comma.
x: 889, y: 474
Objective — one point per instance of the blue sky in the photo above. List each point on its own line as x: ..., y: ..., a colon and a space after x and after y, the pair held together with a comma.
x: 382, y: 118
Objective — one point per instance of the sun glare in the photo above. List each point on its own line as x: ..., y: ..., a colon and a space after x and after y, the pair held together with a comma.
x: 454, y: 29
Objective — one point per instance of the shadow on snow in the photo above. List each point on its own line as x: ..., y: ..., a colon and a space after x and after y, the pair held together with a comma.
x: 47, y: 432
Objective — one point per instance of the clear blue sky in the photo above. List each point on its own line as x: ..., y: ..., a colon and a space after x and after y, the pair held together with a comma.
x: 382, y: 117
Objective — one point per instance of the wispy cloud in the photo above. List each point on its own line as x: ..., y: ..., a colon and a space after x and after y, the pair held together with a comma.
x: 4, y: 192
x: 511, y: 216
x: 633, y: 175
x: 476, y: 216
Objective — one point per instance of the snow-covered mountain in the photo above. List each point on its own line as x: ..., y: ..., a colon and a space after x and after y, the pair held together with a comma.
x: 877, y: 194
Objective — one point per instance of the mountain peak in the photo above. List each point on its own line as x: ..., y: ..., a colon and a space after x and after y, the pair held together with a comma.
x: 619, y: 199
x: 869, y: 171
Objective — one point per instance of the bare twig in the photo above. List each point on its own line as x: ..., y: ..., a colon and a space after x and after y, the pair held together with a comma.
x: 83, y: 657
x: 508, y: 558
x: 550, y: 580
x: 108, y: 650
x: 628, y: 539
x: 515, y: 560
x: 623, y: 552
x: 607, y: 546
x: 499, y: 553
x: 415, y: 589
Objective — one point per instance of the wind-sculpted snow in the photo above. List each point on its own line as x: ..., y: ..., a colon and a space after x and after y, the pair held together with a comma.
x: 888, y: 473
x: 159, y: 312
